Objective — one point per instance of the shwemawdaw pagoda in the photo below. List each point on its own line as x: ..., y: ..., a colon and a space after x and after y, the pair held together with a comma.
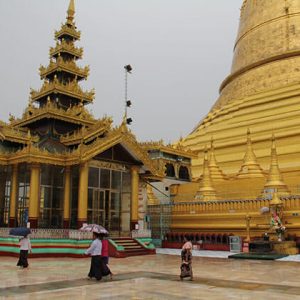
x: 248, y: 144
x: 61, y: 167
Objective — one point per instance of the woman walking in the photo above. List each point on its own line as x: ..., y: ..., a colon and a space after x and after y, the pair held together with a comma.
x: 25, y: 246
x: 95, y: 249
x: 105, y: 256
x: 186, y: 260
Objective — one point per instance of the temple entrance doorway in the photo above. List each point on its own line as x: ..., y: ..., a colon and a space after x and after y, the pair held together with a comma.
x: 104, y: 209
x: 105, y: 190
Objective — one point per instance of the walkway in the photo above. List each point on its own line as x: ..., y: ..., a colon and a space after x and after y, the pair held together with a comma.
x: 151, y: 277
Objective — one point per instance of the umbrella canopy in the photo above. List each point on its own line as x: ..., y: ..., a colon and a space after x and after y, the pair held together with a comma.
x: 94, y: 228
x: 20, y: 231
x: 264, y: 210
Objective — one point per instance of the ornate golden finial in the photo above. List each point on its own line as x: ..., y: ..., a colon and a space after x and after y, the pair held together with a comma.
x: 71, y: 13
x: 275, y: 180
x: 250, y: 166
x: 215, y: 171
x: 206, y: 191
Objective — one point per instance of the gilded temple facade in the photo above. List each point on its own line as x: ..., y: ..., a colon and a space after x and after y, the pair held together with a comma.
x: 248, y: 144
x: 61, y: 167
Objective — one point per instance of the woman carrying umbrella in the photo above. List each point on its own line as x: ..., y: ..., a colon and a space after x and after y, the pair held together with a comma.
x: 96, y: 259
x: 25, y: 246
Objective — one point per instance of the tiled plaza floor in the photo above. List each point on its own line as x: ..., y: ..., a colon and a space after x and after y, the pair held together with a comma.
x: 151, y: 277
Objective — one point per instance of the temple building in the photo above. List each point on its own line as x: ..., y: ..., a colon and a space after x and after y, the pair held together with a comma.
x: 61, y: 167
x: 248, y: 144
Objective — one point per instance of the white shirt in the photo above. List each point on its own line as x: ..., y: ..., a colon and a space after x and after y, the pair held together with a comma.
x: 25, y: 244
x: 95, y: 248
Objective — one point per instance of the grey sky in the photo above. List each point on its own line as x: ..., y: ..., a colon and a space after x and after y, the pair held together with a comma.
x: 180, y: 51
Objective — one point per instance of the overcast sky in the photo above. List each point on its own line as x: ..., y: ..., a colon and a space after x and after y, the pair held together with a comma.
x: 180, y: 51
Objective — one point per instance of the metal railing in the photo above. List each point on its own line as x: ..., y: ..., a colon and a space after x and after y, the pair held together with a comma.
x: 53, y: 234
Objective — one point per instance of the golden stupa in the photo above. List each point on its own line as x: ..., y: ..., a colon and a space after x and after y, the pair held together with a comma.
x: 255, y: 129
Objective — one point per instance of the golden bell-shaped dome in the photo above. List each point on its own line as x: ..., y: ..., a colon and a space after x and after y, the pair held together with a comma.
x: 266, y: 51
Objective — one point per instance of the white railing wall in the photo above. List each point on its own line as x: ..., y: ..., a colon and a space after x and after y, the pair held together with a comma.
x: 53, y: 234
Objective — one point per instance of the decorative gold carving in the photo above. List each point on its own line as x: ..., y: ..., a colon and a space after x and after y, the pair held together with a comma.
x: 67, y: 66
x: 67, y: 30
x: 87, y: 134
x: 176, y: 149
x: 115, y: 136
x: 107, y: 165
x: 71, y: 89
x: 15, y: 135
x: 64, y: 46
x: 78, y: 114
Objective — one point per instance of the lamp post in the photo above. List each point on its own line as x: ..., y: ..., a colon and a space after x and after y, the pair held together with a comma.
x: 128, y: 103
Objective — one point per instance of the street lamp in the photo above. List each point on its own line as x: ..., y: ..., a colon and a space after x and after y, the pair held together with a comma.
x: 128, y: 103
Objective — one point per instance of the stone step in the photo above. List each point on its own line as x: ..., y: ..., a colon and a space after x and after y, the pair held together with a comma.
x: 131, y: 247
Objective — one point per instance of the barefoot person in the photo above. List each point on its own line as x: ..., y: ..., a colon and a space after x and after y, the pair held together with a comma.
x: 186, y: 260
x: 95, y: 249
x: 25, y: 247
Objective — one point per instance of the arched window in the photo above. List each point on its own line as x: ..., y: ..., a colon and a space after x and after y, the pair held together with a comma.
x: 170, y: 171
x: 184, y: 173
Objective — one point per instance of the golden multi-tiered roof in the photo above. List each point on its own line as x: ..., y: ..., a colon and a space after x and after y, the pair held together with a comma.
x: 56, y: 127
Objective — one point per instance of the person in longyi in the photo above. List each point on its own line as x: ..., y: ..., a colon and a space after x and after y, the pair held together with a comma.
x: 94, y: 251
x: 186, y: 259
x: 25, y: 247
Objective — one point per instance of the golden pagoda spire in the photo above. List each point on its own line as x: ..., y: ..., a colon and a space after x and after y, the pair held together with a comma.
x: 215, y: 171
x: 250, y: 166
x: 206, y: 191
x: 71, y: 13
x: 275, y: 180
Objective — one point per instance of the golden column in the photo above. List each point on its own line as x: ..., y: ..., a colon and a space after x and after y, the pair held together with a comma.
x: 13, y: 196
x: 34, y: 195
x: 67, y: 187
x: 83, y: 194
x: 134, y: 196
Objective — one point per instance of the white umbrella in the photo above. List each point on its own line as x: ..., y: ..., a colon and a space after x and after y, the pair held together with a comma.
x: 264, y: 210
x: 93, y: 228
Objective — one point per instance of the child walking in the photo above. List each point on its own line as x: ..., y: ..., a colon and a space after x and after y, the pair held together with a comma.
x: 25, y: 247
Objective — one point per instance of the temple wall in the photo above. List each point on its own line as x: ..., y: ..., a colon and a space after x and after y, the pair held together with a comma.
x: 229, y: 217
